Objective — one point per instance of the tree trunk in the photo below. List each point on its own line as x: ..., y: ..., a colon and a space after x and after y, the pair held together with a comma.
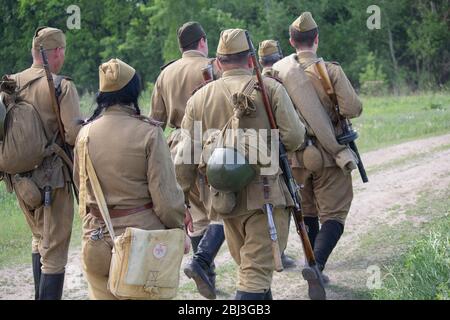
x: 394, y: 59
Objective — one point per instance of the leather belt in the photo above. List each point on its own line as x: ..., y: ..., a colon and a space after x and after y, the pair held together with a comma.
x: 117, y: 213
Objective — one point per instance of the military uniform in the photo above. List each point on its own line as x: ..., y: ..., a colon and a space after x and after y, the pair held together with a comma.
x: 269, y: 48
x: 327, y: 193
x: 174, y: 86
x: 322, y: 165
x: 137, y: 177
x: 52, y: 259
x: 269, y: 52
x: 246, y: 224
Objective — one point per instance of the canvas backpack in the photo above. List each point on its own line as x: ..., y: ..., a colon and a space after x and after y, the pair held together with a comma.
x: 25, y: 144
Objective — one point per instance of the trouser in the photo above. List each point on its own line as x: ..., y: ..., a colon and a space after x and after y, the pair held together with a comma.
x: 97, y: 247
x: 250, y: 246
x: 200, y: 220
x: 199, y: 213
x: 327, y: 194
x: 53, y: 258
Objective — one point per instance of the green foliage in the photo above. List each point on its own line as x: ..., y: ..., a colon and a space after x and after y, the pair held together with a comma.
x: 143, y: 33
x: 423, y: 273
x: 372, y: 79
x: 15, y: 235
x: 389, y: 120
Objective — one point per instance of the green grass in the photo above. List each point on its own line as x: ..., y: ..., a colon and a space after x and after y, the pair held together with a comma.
x: 415, y: 253
x: 15, y: 235
x: 423, y: 272
x: 391, y: 120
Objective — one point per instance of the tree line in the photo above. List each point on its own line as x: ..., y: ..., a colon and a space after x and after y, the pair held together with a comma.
x: 410, y: 50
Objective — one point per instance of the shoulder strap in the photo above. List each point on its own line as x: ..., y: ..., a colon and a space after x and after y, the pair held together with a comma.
x: 248, y: 89
x: 307, y: 65
x: 57, y: 82
x: 87, y: 171
x: 28, y: 84
x: 168, y: 64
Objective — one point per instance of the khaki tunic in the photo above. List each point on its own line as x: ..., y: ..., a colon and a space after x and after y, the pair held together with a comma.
x: 174, y: 86
x: 53, y: 258
x: 327, y: 192
x: 246, y: 226
x: 133, y: 165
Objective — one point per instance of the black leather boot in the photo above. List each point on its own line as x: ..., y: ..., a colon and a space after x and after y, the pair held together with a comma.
x: 211, y: 272
x: 36, y: 264
x: 194, y: 242
x: 242, y: 295
x: 200, y: 268
x: 312, y: 224
x: 51, y: 286
x: 326, y: 240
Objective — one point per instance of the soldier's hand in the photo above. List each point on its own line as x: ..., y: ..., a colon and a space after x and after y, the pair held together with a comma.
x: 187, y: 244
x: 188, y: 220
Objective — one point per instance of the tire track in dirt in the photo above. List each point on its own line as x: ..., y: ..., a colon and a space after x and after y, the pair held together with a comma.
x: 397, y: 185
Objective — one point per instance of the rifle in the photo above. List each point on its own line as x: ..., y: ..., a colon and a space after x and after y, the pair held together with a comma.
x: 207, y: 73
x: 348, y: 135
x: 56, y: 110
x: 279, y: 49
x: 316, y: 285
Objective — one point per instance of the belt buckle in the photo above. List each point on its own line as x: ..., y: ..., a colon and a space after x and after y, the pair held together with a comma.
x: 97, y: 234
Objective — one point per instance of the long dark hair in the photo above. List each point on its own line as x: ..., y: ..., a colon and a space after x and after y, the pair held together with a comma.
x: 127, y: 95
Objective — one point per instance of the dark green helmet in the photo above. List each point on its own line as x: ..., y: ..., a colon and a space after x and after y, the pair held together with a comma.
x: 2, y: 116
x: 228, y: 170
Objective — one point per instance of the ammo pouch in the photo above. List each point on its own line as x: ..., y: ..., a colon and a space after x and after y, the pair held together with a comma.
x: 312, y: 157
x: 145, y: 264
x: 27, y: 190
x: 29, y: 186
x: 279, y: 196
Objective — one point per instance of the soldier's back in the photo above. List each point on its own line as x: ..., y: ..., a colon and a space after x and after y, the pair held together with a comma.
x: 119, y: 145
x: 213, y: 103
x: 38, y: 94
x: 175, y: 85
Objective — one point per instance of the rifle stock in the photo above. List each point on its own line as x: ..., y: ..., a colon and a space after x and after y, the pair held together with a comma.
x: 56, y: 110
x: 207, y: 73
x: 349, y: 135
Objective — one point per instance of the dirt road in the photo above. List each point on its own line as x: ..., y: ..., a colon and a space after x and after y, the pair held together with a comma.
x: 398, y: 175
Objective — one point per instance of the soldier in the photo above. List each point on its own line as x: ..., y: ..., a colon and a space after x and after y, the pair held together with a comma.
x: 323, y: 166
x: 245, y: 222
x: 49, y: 260
x: 269, y: 52
x: 174, y: 86
x: 134, y: 168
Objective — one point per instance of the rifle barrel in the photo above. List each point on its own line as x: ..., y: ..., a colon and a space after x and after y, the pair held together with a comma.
x: 285, y: 167
x: 56, y: 109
